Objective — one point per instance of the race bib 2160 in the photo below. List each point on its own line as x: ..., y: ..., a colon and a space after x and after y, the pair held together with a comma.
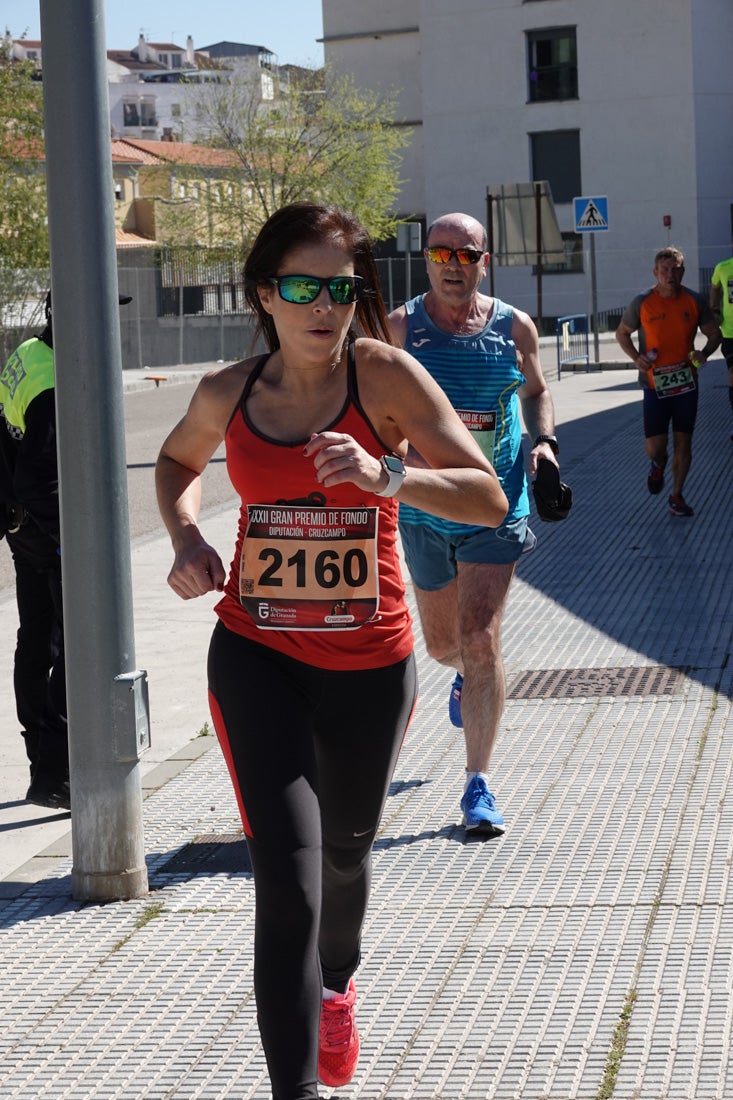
x: 309, y: 568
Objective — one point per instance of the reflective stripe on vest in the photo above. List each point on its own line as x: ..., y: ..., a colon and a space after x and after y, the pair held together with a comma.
x: 27, y: 373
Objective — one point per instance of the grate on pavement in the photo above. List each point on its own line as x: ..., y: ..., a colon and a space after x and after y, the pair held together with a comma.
x: 568, y: 683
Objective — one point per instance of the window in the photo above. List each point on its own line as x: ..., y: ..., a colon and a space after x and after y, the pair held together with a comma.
x: 552, y: 64
x: 175, y: 110
x: 163, y: 59
x: 147, y: 113
x: 130, y: 115
x: 556, y: 158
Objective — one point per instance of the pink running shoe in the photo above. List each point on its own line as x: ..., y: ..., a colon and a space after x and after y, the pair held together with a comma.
x: 338, y: 1045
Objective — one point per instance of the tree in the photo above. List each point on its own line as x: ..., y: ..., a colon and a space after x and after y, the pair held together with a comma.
x: 24, y: 255
x: 321, y: 139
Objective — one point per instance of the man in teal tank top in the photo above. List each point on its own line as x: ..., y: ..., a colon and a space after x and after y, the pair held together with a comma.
x: 485, y: 355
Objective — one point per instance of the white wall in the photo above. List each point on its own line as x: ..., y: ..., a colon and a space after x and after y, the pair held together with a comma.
x: 381, y: 53
x: 655, y: 112
x: 712, y: 22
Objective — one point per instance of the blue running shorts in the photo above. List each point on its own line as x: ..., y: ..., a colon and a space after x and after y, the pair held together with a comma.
x: 432, y: 558
x: 680, y: 410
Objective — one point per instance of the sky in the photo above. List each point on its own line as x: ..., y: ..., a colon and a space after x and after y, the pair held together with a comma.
x: 289, y: 28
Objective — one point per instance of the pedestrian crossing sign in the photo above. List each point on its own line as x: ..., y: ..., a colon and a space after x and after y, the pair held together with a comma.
x: 591, y: 214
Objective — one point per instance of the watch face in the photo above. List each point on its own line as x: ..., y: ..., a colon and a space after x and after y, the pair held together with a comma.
x: 394, y: 465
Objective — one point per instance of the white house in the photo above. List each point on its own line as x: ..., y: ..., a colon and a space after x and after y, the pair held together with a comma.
x: 152, y: 88
x: 631, y: 101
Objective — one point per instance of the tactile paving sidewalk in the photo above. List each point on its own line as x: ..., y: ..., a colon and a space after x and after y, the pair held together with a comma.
x: 587, y: 954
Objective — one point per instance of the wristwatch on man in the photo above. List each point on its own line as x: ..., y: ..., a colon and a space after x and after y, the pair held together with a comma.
x: 551, y: 440
x: 396, y: 472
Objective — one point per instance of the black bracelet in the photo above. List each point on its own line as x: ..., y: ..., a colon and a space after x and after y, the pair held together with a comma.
x: 551, y: 441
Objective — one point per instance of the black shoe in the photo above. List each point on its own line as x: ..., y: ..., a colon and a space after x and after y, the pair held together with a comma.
x: 678, y: 507
x: 49, y: 790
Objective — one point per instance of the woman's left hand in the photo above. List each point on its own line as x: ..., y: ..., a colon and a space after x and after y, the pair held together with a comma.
x: 338, y: 458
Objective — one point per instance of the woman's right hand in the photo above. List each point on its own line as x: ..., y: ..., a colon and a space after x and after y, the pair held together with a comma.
x: 197, y: 569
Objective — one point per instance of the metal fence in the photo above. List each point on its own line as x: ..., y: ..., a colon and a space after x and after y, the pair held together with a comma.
x: 189, y: 305
x: 193, y: 283
x: 572, y: 341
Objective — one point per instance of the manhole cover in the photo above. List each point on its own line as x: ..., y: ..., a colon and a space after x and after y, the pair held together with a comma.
x: 569, y: 683
x: 211, y: 854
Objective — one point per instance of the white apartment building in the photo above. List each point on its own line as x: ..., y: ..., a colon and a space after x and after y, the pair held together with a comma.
x: 152, y: 88
x: 629, y: 100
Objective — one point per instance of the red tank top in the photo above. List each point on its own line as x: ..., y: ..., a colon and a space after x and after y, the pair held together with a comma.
x: 316, y: 573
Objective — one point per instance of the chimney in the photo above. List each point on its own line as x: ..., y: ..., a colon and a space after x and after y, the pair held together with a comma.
x: 190, y: 56
x: 142, y: 49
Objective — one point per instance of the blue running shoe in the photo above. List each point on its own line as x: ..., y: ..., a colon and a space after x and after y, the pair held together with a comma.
x: 454, y: 702
x: 480, y: 815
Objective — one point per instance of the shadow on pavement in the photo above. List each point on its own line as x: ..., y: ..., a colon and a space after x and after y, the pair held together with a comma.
x: 656, y: 584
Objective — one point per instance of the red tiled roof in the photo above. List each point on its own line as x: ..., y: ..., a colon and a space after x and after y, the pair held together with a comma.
x: 137, y: 151
x: 126, y: 239
x: 24, y: 148
x: 183, y: 152
x: 124, y: 152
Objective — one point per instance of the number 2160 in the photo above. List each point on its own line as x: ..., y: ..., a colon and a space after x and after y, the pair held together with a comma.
x: 329, y: 569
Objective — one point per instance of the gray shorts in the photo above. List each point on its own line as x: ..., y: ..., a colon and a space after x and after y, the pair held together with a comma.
x: 432, y: 559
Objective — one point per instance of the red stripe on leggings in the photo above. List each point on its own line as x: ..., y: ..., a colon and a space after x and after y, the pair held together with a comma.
x: 221, y: 733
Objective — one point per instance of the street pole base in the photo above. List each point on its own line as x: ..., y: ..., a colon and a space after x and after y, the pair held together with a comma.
x: 87, y: 886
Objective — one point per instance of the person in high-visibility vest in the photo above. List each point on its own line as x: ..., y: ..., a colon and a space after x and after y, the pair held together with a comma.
x: 721, y: 300
x: 29, y: 519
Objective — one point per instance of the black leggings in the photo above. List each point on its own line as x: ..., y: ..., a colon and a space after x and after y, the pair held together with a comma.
x: 311, y: 754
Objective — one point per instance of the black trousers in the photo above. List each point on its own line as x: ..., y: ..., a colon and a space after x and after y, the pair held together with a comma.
x: 39, y: 673
x: 311, y: 753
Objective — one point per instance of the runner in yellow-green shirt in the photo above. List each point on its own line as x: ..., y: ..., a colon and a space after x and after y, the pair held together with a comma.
x: 721, y: 299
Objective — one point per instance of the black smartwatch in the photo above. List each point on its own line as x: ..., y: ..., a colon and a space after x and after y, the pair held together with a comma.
x: 549, y: 439
x: 396, y: 471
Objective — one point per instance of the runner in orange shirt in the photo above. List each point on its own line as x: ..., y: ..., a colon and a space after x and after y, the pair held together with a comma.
x: 667, y: 318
